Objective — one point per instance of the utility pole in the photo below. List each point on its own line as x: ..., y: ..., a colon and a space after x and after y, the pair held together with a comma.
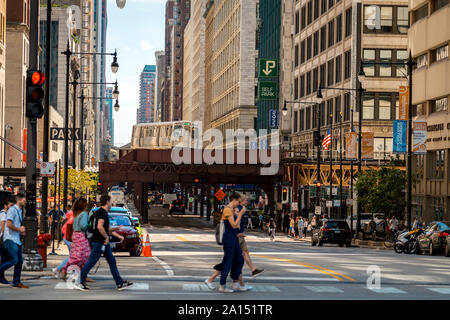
x: 410, y: 65
x: 45, y: 145
x: 32, y: 261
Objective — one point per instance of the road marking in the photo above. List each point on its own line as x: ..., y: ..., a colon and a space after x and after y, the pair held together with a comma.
x: 265, y: 289
x: 138, y: 287
x: 324, y: 289
x: 329, y: 272
x: 165, y: 266
x: 195, y: 287
x: 440, y: 290
x: 387, y: 290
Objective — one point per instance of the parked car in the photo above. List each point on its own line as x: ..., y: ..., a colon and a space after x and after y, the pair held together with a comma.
x: 332, y: 231
x: 434, y: 239
x: 177, y: 206
x: 447, y: 247
x: 365, y: 219
x: 120, y: 210
x: 131, y: 242
x: 168, y: 198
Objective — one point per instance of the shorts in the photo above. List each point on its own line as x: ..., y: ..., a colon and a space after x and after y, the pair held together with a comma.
x: 218, y: 267
x: 243, y: 244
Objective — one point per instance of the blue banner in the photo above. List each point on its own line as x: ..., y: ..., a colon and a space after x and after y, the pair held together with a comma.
x: 400, y: 136
x: 273, y: 119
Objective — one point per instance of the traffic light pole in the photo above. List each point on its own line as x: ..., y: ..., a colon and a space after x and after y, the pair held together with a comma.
x: 68, y: 54
x: 74, y: 140
x: 82, y: 131
x: 32, y: 261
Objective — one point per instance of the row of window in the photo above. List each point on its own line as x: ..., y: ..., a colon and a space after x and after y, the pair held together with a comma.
x: 435, y: 165
x: 386, y: 19
x: 429, y: 8
x: 328, y: 74
x: 311, y: 12
x: 438, y: 54
x: 385, y: 56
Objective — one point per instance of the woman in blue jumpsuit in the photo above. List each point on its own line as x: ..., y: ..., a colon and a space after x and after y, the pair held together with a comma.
x: 232, y: 260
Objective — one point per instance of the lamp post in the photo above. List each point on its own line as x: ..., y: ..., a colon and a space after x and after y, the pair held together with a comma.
x: 75, y: 84
x: 409, y: 64
x: 331, y: 165
x: 114, y: 68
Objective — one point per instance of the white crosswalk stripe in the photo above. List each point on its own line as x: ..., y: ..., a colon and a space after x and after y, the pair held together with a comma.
x: 265, y: 289
x: 195, y: 287
x: 324, y: 289
x: 440, y: 290
x: 388, y: 290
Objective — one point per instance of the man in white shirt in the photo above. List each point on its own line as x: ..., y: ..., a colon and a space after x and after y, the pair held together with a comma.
x: 393, y: 224
x: 5, y: 205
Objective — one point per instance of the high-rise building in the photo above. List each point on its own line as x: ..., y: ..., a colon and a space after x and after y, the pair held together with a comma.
x: 3, y: 128
x: 232, y: 59
x: 177, y: 16
x: 327, y: 42
x: 147, y: 85
x: 160, y: 75
x: 194, y: 64
x: 429, y: 40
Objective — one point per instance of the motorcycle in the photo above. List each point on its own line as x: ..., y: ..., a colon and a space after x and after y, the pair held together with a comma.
x: 402, y: 240
x: 407, y: 241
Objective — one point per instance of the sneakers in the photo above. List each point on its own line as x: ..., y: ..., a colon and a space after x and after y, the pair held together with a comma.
x: 21, y: 286
x: 81, y: 286
x: 209, y: 285
x: 124, y: 285
x: 257, y: 272
x: 246, y: 288
x: 237, y: 287
x: 224, y: 289
x: 4, y: 282
x: 56, y: 273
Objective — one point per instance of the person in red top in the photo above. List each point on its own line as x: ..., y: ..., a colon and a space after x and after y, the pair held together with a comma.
x: 60, y: 269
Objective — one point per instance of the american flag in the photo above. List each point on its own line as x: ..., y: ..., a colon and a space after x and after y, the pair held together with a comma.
x: 327, y: 140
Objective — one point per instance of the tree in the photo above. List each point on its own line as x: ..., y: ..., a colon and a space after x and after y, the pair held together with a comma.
x: 80, y: 183
x: 382, y: 191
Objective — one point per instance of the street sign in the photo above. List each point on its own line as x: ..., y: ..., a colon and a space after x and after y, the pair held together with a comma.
x: 58, y: 134
x: 403, y: 97
x: 329, y: 204
x: 294, y: 206
x: 419, y: 137
x: 268, y: 90
x: 48, y: 169
x: 268, y: 68
x: 337, y: 203
x: 273, y: 119
x: 220, y: 194
x: 318, y: 210
x: 400, y: 138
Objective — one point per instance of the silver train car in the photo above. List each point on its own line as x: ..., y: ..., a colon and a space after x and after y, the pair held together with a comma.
x: 163, y: 135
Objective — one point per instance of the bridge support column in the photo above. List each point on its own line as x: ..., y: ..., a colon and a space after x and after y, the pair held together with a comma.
x: 143, y: 199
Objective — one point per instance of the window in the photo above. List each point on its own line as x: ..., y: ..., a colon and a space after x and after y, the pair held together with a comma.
x: 337, y: 109
x: 302, y: 120
x: 385, y: 57
x: 347, y: 106
x: 385, y: 100
x: 368, y: 106
x: 322, y: 114
x: 339, y: 28
x: 347, y: 64
x: 329, y: 111
x: 297, y: 22
x: 330, y: 3
x: 308, y: 118
x: 324, y: 6
x: 402, y: 55
x: 330, y: 33
x: 315, y: 79
x: 308, y: 83
x: 323, y: 38
x: 438, y: 4
x: 369, y: 56
x: 310, y: 13
x: 323, y: 74
x: 295, y: 121
x: 386, y: 19
x: 302, y: 86
x: 330, y: 72
x: 303, y: 21
x: 316, y: 9
x: 421, y: 13
x: 440, y: 53
x: 309, y: 48
x: 440, y: 164
x: 302, y: 52
x: 348, y: 22
x: 296, y: 89
x: 440, y: 105
x: 316, y: 43
x: 402, y: 19
x: 338, y: 72
x: 314, y: 113
x: 296, y: 56
x: 422, y: 61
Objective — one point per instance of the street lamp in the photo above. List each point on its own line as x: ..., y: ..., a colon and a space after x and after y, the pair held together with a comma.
x: 116, y: 106
x: 284, y: 110
x: 116, y: 91
x: 115, y: 64
x: 121, y: 3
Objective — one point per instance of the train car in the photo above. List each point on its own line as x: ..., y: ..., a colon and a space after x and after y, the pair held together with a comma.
x: 163, y: 135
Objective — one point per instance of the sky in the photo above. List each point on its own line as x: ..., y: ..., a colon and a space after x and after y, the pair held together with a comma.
x: 136, y: 31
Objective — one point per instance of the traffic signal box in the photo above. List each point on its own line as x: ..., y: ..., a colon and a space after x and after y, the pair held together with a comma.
x: 34, y: 94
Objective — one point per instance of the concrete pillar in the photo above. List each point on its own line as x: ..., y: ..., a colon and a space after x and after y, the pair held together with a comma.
x: 144, y: 203
x: 202, y: 200
x: 195, y: 195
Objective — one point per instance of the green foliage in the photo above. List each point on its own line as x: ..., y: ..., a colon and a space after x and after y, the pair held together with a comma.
x: 382, y: 191
x: 80, y: 183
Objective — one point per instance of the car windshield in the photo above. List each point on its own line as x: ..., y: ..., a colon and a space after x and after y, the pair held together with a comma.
x: 121, y: 210
x: 118, y: 220
x: 443, y: 226
x: 337, y: 224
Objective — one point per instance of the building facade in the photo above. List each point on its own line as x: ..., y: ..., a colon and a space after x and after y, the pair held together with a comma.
x: 429, y: 40
x: 3, y: 129
x: 330, y: 39
x: 147, y: 86
x: 233, y: 64
x: 165, y: 88
x: 159, y: 94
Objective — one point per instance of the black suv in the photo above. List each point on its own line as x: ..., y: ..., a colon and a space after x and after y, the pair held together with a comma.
x: 177, y: 206
x: 332, y: 231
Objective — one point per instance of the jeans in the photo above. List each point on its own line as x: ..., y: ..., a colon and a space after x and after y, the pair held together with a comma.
x: 232, y: 260
x: 96, y: 253
x: 63, y: 264
x: 4, y: 257
x: 15, y: 259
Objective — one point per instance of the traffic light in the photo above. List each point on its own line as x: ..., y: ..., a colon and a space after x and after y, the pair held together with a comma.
x: 284, y: 194
x: 196, y: 180
x: 318, y: 186
x: 99, y: 187
x: 35, y: 94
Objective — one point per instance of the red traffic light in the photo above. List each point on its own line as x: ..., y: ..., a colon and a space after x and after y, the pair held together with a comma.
x: 284, y: 190
x: 318, y: 185
x: 99, y: 184
x: 38, y: 78
x: 196, y: 180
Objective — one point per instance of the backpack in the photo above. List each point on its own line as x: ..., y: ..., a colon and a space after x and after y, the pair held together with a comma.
x: 92, y: 225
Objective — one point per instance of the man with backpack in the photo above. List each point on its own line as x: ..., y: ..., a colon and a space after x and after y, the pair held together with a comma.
x: 98, y: 235
x: 6, y: 204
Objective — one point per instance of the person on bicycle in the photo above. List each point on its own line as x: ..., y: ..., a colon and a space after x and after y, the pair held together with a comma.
x: 271, y: 226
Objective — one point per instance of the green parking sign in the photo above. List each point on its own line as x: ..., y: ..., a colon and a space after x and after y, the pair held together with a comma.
x: 268, y: 68
x: 268, y: 90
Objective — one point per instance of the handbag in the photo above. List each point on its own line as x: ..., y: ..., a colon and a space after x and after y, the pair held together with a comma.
x: 69, y: 232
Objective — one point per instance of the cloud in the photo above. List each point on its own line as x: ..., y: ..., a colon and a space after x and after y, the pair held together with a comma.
x: 145, y: 45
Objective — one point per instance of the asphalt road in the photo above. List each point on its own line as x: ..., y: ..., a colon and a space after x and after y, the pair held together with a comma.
x: 184, y: 251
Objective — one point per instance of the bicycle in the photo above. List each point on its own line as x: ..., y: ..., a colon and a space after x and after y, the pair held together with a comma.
x: 390, y: 239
